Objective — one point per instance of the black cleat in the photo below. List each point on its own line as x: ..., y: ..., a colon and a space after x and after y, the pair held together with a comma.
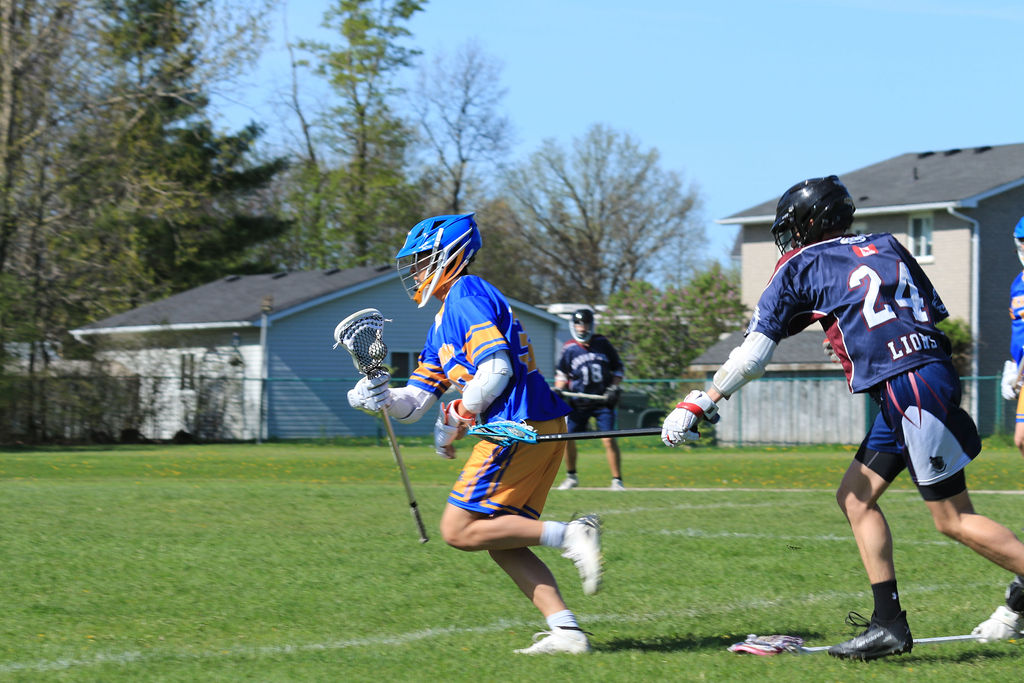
x: 880, y: 639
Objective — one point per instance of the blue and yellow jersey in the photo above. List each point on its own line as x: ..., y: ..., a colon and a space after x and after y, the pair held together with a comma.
x: 474, y: 322
x: 1017, y: 318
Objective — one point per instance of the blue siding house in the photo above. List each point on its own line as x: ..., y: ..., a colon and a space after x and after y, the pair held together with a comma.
x: 250, y: 357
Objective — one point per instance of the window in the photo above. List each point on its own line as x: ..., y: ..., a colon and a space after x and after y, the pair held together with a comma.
x: 403, y: 363
x: 920, y: 235
x: 188, y: 371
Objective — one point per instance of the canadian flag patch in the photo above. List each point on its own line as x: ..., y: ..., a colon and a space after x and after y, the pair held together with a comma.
x: 865, y: 251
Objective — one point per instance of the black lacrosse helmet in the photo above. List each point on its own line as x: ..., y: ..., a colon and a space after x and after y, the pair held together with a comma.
x: 809, y: 209
x: 585, y: 318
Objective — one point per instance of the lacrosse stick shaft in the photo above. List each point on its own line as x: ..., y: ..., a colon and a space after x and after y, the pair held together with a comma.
x: 405, y: 475
x: 917, y: 641
x: 574, y: 394
x: 609, y: 434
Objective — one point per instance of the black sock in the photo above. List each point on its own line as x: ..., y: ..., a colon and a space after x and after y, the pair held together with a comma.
x: 887, y: 600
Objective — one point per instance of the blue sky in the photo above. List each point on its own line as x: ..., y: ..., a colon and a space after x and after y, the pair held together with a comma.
x: 744, y: 98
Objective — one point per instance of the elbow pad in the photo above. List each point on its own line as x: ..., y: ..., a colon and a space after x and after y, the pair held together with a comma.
x: 408, y: 403
x: 492, y: 376
x: 746, y: 363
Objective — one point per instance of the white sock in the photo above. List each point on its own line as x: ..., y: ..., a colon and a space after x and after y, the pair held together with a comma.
x: 552, y: 534
x: 563, y: 619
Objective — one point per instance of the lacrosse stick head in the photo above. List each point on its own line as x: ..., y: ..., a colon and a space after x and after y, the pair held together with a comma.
x: 504, y: 432
x: 362, y: 336
x: 769, y: 645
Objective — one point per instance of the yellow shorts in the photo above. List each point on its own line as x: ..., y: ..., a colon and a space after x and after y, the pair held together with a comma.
x: 1020, y: 407
x: 510, y: 479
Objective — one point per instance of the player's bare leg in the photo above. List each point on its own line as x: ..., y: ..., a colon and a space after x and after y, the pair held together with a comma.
x: 887, y: 633
x: 955, y: 517
x: 580, y: 539
x: 505, y: 537
x: 858, y: 496
x: 532, y: 576
x: 614, y: 455
x: 467, y: 530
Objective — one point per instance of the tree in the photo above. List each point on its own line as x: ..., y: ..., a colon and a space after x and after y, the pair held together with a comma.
x: 661, y: 331
x: 603, y: 215
x: 350, y: 191
x: 499, y: 260
x: 113, y: 185
x: 456, y: 104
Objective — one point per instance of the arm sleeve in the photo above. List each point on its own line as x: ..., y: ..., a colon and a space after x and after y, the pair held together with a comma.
x: 410, y: 402
x: 492, y: 376
x: 746, y: 363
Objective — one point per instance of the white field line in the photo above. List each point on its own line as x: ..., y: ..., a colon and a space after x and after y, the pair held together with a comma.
x: 129, y: 657
x: 400, y: 639
x: 700, y: 533
x: 686, y: 489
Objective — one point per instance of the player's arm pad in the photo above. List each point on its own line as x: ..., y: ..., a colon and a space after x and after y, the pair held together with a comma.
x: 410, y: 403
x: 746, y: 363
x: 492, y: 376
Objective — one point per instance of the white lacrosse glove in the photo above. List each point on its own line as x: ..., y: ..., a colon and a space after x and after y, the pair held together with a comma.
x: 371, y: 395
x: 1002, y: 625
x: 450, y: 425
x: 681, y: 423
x: 1009, y: 384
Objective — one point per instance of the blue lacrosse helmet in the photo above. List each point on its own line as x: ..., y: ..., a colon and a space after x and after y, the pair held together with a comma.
x: 436, y: 251
x: 1018, y: 240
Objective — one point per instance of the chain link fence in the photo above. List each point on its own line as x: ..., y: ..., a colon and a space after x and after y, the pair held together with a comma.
x: 773, y: 410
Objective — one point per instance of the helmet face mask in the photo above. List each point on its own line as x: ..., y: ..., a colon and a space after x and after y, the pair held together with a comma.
x: 581, y: 325
x: 809, y: 210
x: 436, y: 252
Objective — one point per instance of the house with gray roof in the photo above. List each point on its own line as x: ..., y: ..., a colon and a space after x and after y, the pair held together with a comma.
x: 250, y: 356
x: 955, y: 210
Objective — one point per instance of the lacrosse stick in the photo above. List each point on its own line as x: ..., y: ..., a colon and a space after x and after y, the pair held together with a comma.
x: 507, y: 432
x: 361, y: 335
x: 773, y: 645
x: 573, y: 394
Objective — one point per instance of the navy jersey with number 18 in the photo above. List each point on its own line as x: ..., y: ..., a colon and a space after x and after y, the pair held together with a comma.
x: 876, y: 305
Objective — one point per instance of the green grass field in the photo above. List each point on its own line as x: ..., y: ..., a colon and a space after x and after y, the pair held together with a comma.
x: 300, y: 562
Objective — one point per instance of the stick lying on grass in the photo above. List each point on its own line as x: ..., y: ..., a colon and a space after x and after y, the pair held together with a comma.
x: 775, y: 644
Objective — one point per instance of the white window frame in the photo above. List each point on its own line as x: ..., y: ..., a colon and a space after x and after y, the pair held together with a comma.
x: 920, y: 236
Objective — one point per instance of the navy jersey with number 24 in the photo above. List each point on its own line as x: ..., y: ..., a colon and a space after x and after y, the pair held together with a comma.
x: 876, y: 305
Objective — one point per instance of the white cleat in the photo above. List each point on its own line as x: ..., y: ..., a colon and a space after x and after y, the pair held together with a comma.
x: 617, y: 485
x: 571, y: 482
x: 582, y: 545
x: 557, y: 641
x: 1002, y: 625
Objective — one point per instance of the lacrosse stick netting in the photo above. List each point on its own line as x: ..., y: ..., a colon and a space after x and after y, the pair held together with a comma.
x: 362, y: 335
